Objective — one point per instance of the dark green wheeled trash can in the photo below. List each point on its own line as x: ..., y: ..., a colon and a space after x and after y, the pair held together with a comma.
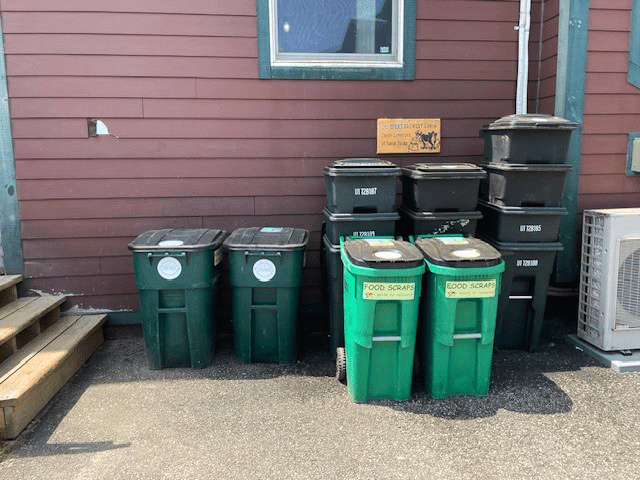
x: 176, y: 275
x: 265, y: 272
x: 458, y: 316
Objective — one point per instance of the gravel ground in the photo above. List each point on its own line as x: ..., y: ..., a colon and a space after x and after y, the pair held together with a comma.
x: 551, y: 414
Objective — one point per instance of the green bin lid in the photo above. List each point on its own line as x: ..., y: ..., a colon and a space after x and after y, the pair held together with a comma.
x: 443, y: 170
x: 458, y: 252
x: 531, y: 121
x: 174, y: 239
x: 382, y: 253
x: 267, y: 238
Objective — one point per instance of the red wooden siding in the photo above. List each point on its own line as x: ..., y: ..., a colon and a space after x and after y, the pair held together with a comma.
x: 611, y: 110
x: 199, y: 140
x: 543, y: 50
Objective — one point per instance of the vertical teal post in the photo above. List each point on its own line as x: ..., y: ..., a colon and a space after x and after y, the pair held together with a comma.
x: 10, y: 241
x: 573, y: 30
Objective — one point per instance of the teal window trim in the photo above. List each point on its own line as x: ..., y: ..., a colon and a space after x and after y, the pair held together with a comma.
x: 573, y: 34
x: 11, y: 254
x: 406, y: 72
x: 632, y: 136
x: 633, y: 74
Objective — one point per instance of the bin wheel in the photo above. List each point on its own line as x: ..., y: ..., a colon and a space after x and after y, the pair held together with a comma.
x: 341, y: 365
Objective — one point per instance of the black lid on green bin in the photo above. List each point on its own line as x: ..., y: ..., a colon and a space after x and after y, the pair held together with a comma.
x: 169, y: 239
x: 458, y: 252
x: 382, y: 253
x: 267, y: 238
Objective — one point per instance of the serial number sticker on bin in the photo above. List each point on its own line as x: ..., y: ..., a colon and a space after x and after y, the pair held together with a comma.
x: 470, y: 289
x: 388, y: 291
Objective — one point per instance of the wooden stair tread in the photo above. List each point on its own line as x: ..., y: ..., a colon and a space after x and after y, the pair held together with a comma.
x: 7, y: 281
x: 21, y: 313
x: 34, y: 374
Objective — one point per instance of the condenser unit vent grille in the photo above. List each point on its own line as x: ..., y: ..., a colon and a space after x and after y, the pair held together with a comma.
x: 628, y: 291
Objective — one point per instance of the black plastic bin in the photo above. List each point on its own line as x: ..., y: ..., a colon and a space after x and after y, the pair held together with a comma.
x: 437, y: 223
x: 520, y: 224
x: 525, y: 283
x: 441, y: 187
x: 524, y: 185
x: 359, y: 225
x: 527, y: 138
x: 334, y: 275
x: 361, y: 185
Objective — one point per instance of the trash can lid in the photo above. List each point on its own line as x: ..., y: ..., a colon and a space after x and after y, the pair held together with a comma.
x: 363, y: 163
x: 527, y: 167
x: 531, y: 121
x: 362, y: 166
x: 267, y: 238
x: 442, y: 170
x: 382, y: 253
x: 457, y: 251
x: 174, y: 239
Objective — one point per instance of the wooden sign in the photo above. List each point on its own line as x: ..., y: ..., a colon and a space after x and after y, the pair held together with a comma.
x: 408, y: 135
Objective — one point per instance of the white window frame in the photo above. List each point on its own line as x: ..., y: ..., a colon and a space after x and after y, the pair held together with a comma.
x: 340, y: 60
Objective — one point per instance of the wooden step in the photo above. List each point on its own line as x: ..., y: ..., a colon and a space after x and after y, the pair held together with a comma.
x: 23, y: 319
x: 34, y: 374
x: 8, y: 290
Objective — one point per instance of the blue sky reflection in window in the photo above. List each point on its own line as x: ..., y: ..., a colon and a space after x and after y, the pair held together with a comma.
x: 335, y: 26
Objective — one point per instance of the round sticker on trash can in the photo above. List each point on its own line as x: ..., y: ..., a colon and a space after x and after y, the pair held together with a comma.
x: 169, y: 268
x: 264, y: 270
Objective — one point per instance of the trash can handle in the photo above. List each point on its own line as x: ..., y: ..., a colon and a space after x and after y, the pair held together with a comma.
x: 263, y: 253
x: 151, y: 255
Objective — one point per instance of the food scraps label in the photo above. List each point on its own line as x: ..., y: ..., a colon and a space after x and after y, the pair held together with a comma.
x: 470, y: 289
x: 388, y: 291
x: 408, y: 135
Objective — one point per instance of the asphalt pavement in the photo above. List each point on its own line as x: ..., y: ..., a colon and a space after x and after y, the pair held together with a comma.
x: 555, y: 413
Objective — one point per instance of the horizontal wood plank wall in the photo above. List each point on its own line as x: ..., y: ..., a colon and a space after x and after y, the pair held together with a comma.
x: 611, y: 110
x: 544, y: 56
x: 198, y: 140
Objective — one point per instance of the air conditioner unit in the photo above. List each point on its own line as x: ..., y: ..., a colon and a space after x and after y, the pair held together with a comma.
x: 609, y: 306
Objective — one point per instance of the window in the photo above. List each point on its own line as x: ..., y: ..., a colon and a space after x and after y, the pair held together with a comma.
x: 634, y: 46
x: 336, y: 39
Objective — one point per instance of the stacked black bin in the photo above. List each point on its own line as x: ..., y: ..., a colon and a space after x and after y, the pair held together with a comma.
x: 361, y: 202
x: 440, y: 198
x: 524, y: 156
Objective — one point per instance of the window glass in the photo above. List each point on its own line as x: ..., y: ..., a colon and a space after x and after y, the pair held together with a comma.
x: 337, y: 39
x: 335, y: 26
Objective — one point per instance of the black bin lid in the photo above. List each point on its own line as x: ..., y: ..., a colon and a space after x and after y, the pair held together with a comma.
x: 362, y: 166
x: 174, y: 239
x: 382, y: 253
x: 363, y: 163
x: 267, y: 238
x: 531, y: 121
x: 444, y: 170
x: 458, y: 252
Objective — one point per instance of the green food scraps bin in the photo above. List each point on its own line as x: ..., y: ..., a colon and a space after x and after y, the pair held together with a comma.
x: 382, y: 283
x: 265, y: 273
x: 176, y: 274
x: 458, y: 315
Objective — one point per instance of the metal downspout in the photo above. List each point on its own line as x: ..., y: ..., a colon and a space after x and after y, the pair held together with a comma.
x: 524, y: 26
